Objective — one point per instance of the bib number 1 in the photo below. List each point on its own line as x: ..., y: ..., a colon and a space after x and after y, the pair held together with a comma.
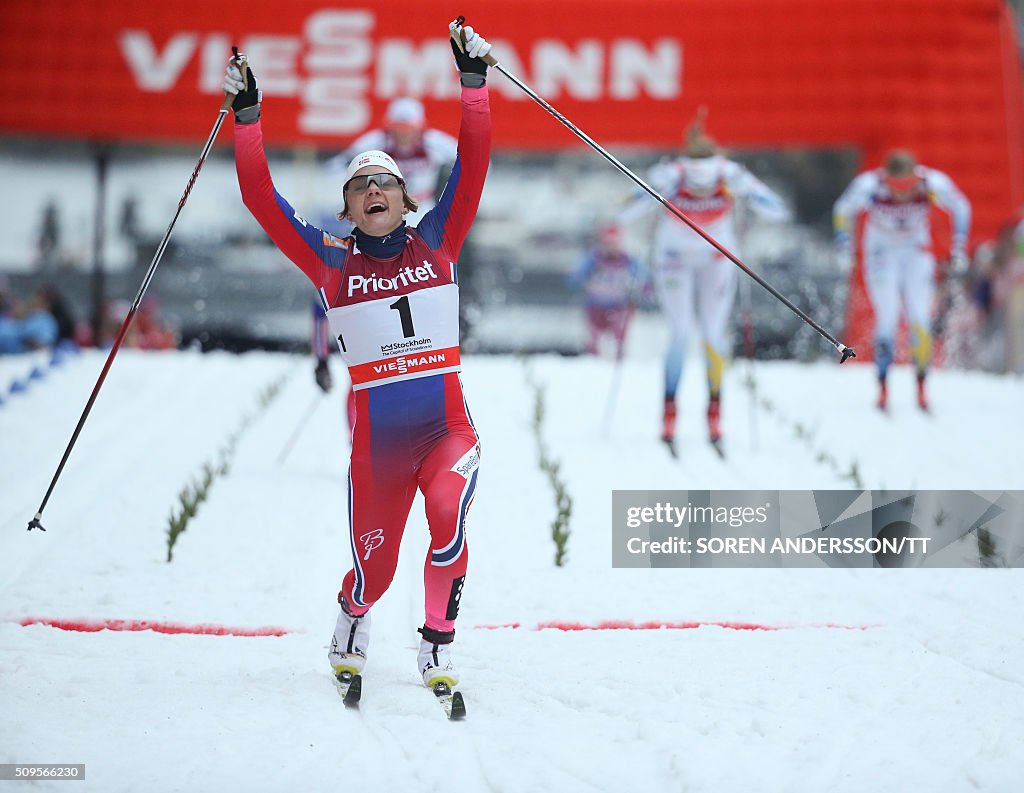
x: 402, y: 307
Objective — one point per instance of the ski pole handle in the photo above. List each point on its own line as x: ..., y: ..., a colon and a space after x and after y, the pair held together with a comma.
x: 460, y: 40
x: 243, y: 66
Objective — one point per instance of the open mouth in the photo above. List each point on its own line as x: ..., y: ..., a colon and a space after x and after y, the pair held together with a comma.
x: 374, y: 208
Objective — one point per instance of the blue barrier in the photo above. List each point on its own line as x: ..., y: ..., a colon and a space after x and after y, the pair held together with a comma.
x: 19, y: 385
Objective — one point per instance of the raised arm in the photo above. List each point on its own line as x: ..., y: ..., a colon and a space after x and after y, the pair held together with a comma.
x: 663, y: 178
x: 311, y: 249
x: 447, y: 224
x: 762, y: 200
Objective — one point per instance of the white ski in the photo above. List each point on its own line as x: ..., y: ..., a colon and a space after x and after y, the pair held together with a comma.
x: 452, y: 702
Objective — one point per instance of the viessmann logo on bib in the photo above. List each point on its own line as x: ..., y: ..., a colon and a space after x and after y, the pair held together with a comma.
x: 404, y: 366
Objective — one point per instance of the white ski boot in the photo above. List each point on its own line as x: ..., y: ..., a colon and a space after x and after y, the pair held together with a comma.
x: 349, y: 643
x: 435, y: 658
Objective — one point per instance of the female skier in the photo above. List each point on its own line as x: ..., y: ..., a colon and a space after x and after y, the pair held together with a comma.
x: 391, y: 296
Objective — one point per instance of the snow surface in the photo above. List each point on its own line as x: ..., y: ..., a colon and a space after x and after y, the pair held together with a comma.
x: 925, y: 691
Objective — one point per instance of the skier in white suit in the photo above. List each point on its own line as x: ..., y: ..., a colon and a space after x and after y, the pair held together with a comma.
x: 899, y: 254
x: 693, y: 280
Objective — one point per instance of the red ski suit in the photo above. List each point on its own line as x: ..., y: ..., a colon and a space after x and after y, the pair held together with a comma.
x: 395, y: 317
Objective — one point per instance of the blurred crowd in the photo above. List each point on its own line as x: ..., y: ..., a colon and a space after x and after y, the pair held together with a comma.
x: 993, y: 291
x: 38, y: 321
x: 977, y: 309
x: 44, y: 319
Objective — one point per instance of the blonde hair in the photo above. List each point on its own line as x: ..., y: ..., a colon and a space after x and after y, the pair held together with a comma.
x: 900, y: 163
x: 698, y: 142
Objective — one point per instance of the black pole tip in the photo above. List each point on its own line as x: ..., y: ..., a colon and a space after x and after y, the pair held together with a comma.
x: 847, y: 353
x: 35, y: 524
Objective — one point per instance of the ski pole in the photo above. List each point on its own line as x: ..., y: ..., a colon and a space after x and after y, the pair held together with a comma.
x: 298, y: 430
x: 613, y: 392
x: 846, y: 352
x: 620, y: 354
x: 748, y: 350
x: 36, y: 522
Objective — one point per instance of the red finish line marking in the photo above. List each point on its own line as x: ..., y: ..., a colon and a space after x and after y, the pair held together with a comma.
x: 94, y: 626
x: 626, y: 625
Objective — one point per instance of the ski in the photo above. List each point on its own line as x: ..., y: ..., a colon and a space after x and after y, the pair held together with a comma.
x: 670, y: 444
x: 350, y: 687
x: 452, y: 702
x: 716, y: 444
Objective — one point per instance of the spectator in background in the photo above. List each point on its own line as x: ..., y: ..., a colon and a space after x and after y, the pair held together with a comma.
x: 8, y: 327
x: 969, y: 338
x: 147, y: 331
x: 61, y: 312
x: 611, y: 280
x: 48, y: 242
x: 1010, y: 292
x: 693, y: 280
x: 5, y: 297
x: 38, y: 326
x: 26, y: 326
x: 981, y: 276
x: 424, y: 155
x: 130, y: 229
x: 9, y: 343
x: 899, y: 252
x: 111, y: 320
x: 995, y: 286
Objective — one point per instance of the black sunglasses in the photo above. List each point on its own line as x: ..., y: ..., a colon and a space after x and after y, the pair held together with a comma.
x: 360, y: 184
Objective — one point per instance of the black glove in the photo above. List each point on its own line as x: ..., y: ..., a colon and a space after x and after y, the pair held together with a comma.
x: 469, y: 57
x: 247, y: 95
x: 323, y: 376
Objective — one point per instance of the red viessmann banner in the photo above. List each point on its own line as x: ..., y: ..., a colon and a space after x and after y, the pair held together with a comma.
x: 939, y: 76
